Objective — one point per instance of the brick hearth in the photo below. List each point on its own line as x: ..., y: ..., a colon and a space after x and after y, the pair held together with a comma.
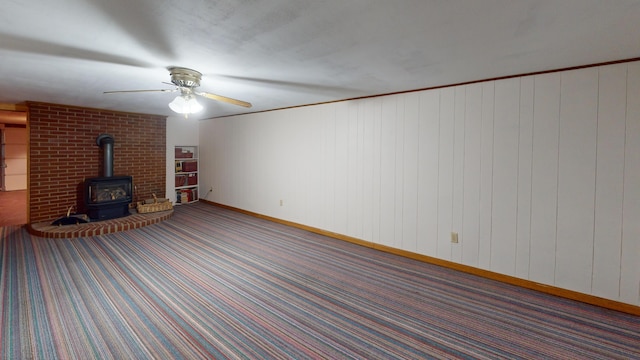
x: 133, y: 221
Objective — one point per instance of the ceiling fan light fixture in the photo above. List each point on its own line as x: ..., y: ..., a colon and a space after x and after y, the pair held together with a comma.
x: 186, y: 81
x: 185, y: 104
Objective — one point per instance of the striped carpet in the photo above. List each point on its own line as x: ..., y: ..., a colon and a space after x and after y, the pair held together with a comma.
x: 210, y: 283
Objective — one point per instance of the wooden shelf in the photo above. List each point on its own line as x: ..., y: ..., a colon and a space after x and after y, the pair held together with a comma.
x: 186, y: 174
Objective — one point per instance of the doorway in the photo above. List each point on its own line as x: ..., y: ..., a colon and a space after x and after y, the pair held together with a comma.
x: 13, y: 167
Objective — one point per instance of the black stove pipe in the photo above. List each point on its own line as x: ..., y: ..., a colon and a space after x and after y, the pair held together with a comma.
x: 106, y: 142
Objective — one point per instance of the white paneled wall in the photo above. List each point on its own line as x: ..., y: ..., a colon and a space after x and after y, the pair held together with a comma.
x: 504, y: 202
x: 539, y: 175
x: 576, y: 178
x: 630, y: 264
x: 544, y: 178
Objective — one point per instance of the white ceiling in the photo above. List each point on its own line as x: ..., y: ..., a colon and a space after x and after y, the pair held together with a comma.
x: 281, y: 53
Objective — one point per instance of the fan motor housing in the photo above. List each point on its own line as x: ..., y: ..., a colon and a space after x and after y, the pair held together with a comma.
x: 184, y: 77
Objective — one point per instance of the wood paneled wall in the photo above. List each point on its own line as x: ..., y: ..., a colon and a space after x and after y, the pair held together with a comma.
x: 539, y: 175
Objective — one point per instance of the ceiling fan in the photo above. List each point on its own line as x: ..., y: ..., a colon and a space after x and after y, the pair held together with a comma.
x: 186, y: 81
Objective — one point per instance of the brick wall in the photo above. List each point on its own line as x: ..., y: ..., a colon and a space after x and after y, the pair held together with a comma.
x: 63, y: 153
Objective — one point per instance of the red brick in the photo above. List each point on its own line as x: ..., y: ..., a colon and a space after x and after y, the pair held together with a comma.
x: 63, y: 153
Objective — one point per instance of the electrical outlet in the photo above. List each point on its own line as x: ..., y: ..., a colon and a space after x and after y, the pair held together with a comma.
x: 280, y: 202
x: 454, y: 237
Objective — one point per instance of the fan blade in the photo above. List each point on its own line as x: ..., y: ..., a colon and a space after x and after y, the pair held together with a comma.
x: 224, y: 99
x: 133, y: 91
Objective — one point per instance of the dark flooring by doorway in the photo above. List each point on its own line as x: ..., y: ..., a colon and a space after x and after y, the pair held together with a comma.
x: 13, y: 207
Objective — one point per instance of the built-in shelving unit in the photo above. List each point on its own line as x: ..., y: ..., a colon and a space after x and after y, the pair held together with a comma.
x: 186, y: 170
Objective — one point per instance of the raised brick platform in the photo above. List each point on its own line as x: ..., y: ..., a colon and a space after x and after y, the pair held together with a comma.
x: 130, y: 222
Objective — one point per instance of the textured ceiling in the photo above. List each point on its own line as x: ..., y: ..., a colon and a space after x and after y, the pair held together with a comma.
x: 281, y: 53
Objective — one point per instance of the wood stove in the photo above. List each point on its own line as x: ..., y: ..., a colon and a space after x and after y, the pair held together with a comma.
x: 108, y: 197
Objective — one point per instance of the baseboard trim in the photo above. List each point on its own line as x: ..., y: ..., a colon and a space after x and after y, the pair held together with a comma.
x: 553, y: 290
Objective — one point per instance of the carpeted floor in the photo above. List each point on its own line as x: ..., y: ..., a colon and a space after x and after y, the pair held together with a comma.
x: 210, y: 283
